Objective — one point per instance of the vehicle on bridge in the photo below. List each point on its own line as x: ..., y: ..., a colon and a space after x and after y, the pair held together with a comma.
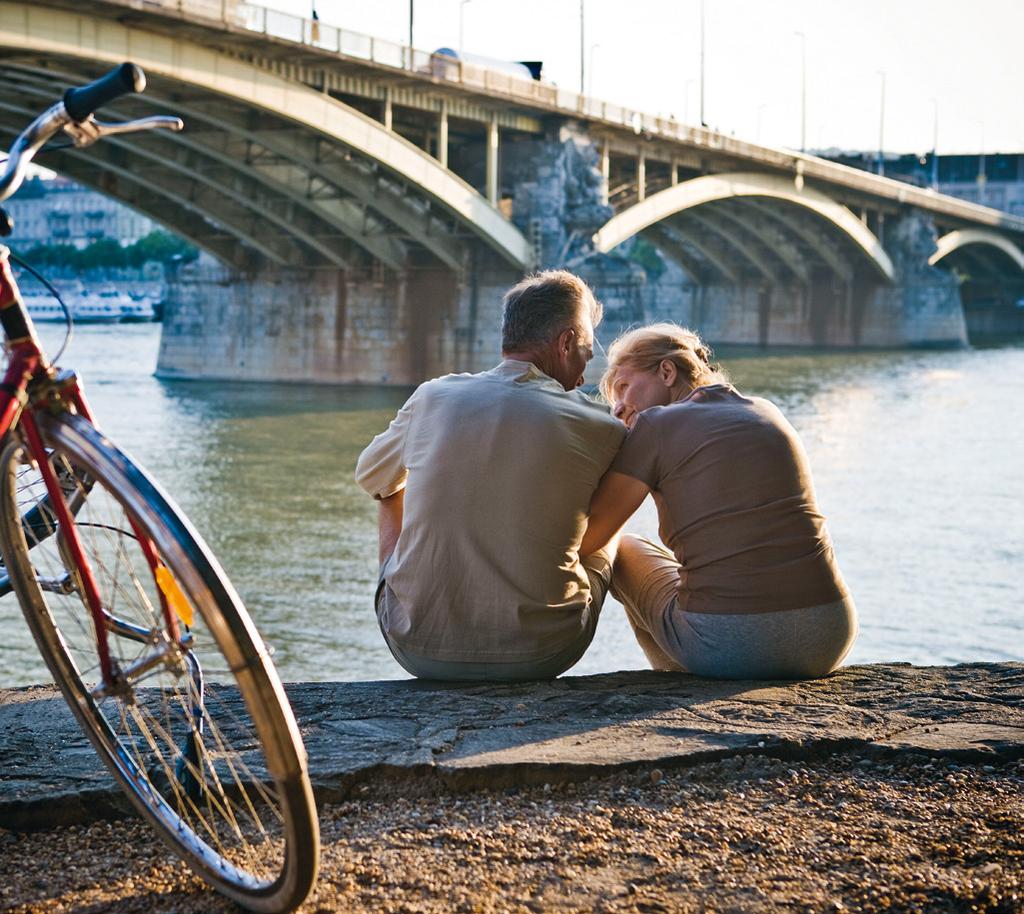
x: 446, y: 63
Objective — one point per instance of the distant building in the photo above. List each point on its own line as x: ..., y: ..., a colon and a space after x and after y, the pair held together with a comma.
x: 995, y: 180
x: 59, y: 211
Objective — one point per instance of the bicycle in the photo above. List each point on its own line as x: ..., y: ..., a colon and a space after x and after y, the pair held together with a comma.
x: 138, y: 624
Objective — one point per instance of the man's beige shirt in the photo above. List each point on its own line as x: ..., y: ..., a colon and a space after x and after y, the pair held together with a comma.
x: 498, y: 470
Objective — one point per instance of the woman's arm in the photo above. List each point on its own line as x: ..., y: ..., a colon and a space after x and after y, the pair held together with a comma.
x: 616, y: 498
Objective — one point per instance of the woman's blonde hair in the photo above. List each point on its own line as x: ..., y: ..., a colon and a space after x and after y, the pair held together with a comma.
x: 645, y: 348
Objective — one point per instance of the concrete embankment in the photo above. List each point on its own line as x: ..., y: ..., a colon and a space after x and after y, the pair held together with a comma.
x: 463, y: 737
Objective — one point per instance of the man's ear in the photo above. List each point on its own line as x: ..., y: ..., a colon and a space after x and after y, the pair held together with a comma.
x: 565, y: 340
x: 668, y: 372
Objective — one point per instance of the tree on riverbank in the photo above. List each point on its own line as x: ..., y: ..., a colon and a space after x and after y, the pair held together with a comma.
x: 158, y: 246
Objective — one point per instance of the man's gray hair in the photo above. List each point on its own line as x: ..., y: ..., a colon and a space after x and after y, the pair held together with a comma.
x: 538, y: 308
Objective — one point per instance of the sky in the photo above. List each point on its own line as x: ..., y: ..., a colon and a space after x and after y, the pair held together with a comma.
x: 964, y: 54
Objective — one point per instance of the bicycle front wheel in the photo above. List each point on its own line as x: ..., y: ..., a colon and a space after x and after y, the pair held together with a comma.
x: 194, y: 725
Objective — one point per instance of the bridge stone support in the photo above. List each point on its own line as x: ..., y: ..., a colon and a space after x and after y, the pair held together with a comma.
x: 828, y: 313
x: 327, y: 326
x: 922, y: 307
x: 558, y: 192
x: 991, y: 308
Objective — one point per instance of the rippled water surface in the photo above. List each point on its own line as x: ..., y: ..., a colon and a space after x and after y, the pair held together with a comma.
x: 918, y: 459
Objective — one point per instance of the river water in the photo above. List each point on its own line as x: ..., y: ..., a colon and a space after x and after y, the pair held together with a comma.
x: 918, y: 460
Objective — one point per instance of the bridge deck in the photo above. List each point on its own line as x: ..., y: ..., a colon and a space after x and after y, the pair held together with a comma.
x: 323, y: 55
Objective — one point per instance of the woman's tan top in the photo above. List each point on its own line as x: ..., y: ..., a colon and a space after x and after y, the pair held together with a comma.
x: 735, y: 503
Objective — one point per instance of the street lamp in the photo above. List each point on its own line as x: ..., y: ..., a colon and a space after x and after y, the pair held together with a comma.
x: 803, y: 90
x: 703, y: 122
x: 590, y: 77
x: 935, y: 144
x: 982, y: 177
x: 411, y: 64
x: 582, y: 47
x: 881, y: 126
x: 462, y: 24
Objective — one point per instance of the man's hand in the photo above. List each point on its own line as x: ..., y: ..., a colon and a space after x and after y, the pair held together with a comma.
x: 389, y: 524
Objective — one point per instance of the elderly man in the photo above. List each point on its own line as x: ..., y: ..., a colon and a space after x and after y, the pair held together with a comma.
x: 484, y: 481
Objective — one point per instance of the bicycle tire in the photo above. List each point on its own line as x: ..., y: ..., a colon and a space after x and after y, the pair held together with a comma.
x: 213, y: 759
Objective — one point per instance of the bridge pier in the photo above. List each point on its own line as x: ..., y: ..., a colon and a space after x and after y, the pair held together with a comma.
x: 327, y: 326
x: 558, y: 187
x: 922, y: 307
x: 991, y: 309
x: 827, y: 314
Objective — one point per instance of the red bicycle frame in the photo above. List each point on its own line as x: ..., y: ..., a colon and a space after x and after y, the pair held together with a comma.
x: 31, y: 383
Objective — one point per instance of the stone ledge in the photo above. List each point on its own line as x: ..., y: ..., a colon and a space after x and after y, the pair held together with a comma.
x: 469, y: 736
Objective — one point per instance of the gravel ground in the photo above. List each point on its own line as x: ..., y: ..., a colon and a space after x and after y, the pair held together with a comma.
x: 754, y: 835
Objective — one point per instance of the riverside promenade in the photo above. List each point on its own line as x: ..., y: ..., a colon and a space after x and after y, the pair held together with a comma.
x: 590, y: 793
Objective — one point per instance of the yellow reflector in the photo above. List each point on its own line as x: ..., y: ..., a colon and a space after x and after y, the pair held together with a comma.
x: 175, y: 598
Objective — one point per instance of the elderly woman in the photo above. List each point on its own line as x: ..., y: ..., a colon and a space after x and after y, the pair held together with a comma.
x: 748, y: 587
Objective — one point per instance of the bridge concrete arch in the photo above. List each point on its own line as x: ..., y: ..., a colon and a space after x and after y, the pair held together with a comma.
x: 655, y: 214
x: 335, y: 185
x: 948, y: 246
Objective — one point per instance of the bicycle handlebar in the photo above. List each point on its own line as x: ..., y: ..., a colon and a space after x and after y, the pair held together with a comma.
x: 28, y: 143
x: 74, y: 116
x: 123, y: 80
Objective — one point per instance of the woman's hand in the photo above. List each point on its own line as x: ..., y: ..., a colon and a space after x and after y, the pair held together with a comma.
x: 614, y: 501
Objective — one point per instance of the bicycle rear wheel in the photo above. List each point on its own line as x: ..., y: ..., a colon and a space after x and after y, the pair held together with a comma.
x: 197, y: 729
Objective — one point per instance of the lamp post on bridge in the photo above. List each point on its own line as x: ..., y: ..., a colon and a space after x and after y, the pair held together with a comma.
x: 582, y: 47
x: 803, y: 90
x: 703, y: 122
x: 935, y: 144
x: 982, y: 177
x: 881, y: 127
x: 412, y: 65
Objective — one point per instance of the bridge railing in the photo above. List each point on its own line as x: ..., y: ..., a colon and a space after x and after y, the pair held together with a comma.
x: 330, y: 38
x: 355, y: 45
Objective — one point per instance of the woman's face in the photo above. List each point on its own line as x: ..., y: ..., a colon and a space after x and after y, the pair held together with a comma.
x: 634, y: 390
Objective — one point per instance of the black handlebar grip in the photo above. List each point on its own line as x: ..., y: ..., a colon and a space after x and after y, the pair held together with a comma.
x: 122, y: 80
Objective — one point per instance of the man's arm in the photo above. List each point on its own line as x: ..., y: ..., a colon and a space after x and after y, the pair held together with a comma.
x: 616, y: 498
x: 380, y: 470
x: 389, y: 524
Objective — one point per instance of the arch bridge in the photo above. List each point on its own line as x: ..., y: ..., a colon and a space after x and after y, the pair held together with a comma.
x: 387, y: 195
